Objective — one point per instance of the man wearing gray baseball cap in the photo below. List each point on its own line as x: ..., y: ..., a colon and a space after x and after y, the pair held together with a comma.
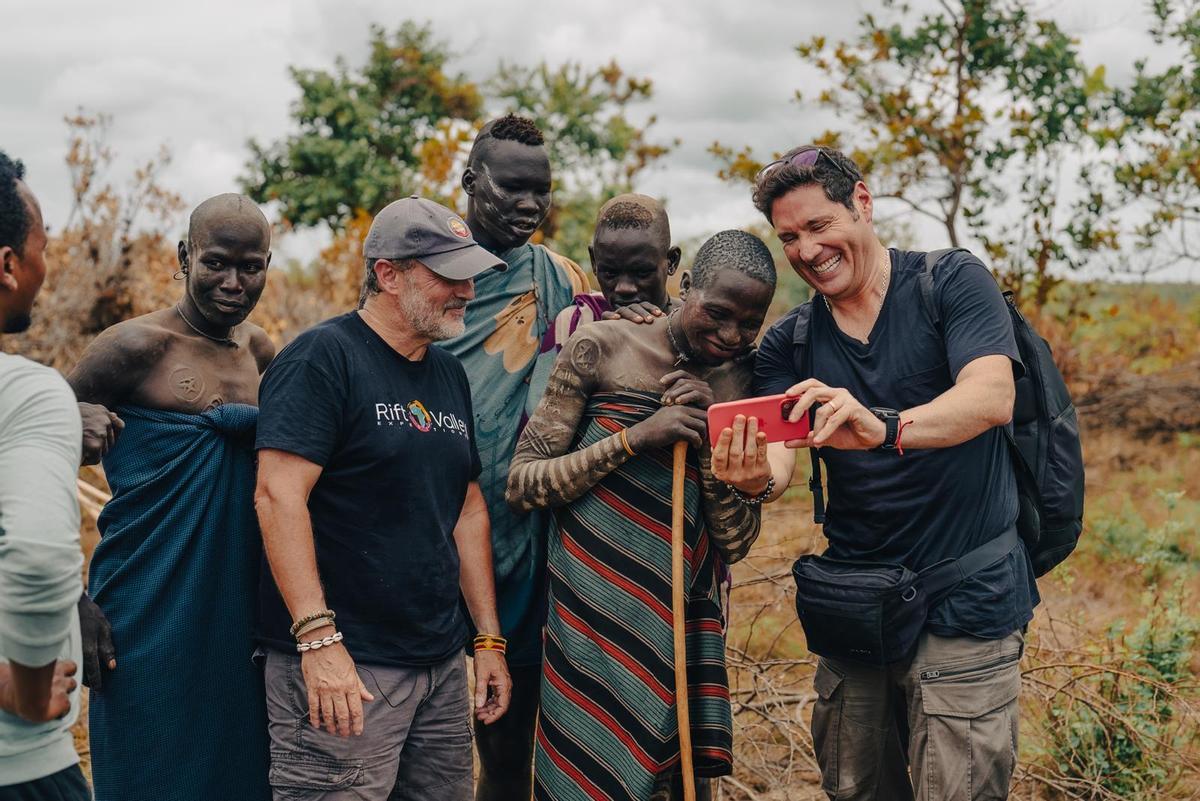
x: 373, y: 522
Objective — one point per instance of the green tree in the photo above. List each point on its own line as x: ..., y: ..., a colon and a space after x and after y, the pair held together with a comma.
x: 950, y: 110
x: 1152, y: 142
x: 403, y: 122
x: 366, y: 136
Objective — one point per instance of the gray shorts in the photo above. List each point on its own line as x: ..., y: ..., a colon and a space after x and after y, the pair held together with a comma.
x: 416, y: 740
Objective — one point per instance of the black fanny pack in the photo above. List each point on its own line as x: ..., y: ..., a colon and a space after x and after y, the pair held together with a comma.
x: 874, y: 613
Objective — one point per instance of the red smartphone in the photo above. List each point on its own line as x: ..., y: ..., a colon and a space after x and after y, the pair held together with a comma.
x: 772, y: 412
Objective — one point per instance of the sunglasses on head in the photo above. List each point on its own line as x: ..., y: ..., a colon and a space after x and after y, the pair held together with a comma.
x: 806, y: 156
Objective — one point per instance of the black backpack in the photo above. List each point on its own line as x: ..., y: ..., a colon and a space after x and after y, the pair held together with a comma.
x: 1044, y: 440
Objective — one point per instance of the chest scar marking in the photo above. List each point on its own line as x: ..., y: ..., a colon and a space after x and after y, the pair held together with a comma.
x: 186, y: 384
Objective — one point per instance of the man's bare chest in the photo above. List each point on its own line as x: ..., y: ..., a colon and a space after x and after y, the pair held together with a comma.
x: 642, y: 371
x: 192, y: 381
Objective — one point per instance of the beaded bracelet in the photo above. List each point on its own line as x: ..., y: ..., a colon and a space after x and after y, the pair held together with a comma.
x: 327, y: 613
x: 753, y: 499
x: 321, y: 643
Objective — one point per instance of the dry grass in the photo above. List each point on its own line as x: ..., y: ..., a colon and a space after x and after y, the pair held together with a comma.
x: 1069, y: 641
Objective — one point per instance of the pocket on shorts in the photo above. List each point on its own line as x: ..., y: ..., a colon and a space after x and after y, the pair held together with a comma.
x: 299, y: 775
x: 826, y: 724
x: 969, y: 691
x: 970, y: 712
x: 826, y: 680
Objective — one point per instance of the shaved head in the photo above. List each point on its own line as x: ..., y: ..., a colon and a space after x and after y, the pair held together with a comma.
x: 228, y: 213
x: 225, y: 259
x: 634, y: 211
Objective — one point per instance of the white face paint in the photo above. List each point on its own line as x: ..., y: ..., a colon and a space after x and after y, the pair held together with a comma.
x: 511, y: 194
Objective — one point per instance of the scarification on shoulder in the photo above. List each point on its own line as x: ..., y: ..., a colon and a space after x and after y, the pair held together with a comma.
x: 585, y: 355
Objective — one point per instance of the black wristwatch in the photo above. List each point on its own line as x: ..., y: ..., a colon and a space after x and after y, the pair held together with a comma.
x: 891, y: 419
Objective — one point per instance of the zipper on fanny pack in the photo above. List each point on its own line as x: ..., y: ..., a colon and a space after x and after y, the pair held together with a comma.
x: 832, y: 577
x: 929, y: 675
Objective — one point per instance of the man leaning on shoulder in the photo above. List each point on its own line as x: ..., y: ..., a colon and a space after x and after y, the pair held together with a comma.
x: 910, y: 423
x: 373, y: 521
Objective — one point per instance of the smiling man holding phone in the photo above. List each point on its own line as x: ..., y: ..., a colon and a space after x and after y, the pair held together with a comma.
x: 909, y: 420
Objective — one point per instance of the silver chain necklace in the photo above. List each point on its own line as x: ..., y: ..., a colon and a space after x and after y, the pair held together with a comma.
x: 223, y: 340
x: 884, y: 281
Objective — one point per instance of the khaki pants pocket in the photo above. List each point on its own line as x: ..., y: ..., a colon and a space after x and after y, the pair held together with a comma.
x: 965, y: 732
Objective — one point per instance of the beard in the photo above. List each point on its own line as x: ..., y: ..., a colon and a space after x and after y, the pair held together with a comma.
x: 429, y: 320
x: 17, y: 322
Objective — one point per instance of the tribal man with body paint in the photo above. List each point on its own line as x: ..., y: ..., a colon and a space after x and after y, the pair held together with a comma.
x: 176, y: 570
x: 507, y: 182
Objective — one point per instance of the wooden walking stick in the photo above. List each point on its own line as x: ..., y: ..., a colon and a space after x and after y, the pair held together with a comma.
x: 679, y: 620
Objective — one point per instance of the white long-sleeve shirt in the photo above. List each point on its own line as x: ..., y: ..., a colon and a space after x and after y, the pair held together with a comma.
x: 40, y: 558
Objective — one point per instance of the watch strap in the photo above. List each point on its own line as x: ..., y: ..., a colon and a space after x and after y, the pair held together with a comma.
x: 891, y: 421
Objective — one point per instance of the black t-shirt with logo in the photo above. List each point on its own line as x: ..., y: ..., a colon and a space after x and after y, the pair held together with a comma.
x: 930, y: 504
x: 396, y: 442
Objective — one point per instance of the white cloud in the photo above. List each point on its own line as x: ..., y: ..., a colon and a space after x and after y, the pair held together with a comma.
x: 205, y: 77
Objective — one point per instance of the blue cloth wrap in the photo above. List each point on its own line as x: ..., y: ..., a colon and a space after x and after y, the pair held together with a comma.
x: 176, y: 573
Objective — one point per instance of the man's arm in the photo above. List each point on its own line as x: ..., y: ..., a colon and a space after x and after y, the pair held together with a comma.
x: 981, y: 354
x: 116, y: 363
x: 540, y: 475
x: 739, y: 456
x: 473, y: 536
x: 261, y: 348
x: 543, y: 474
x: 556, y: 336
x: 40, y: 558
x: 112, y: 366
x: 335, y: 692
x: 981, y: 398
x: 22, y: 690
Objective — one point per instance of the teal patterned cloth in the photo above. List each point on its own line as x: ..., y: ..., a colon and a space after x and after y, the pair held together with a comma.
x: 506, y: 322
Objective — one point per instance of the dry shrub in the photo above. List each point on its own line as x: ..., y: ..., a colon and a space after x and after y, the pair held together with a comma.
x: 113, y: 259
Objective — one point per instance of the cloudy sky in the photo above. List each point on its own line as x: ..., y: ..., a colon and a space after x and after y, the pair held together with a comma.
x: 203, y: 77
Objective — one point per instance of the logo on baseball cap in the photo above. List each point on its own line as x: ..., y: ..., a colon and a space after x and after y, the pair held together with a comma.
x: 416, y: 228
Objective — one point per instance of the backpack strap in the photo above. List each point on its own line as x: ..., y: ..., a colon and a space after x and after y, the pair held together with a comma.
x: 939, y: 579
x: 800, y: 337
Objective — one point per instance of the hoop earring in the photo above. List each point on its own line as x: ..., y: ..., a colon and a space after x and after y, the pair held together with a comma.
x: 180, y: 274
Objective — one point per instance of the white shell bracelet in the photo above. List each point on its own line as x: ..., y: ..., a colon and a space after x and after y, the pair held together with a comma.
x: 321, y: 643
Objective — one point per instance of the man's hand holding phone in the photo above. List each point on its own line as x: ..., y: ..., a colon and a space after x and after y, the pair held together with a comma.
x: 839, y: 421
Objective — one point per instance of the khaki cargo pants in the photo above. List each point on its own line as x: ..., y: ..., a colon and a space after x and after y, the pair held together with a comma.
x: 959, y: 698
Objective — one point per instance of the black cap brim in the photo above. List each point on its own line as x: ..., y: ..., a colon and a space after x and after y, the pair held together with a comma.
x: 462, y: 263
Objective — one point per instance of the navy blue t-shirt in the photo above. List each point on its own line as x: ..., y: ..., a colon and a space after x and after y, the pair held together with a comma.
x: 927, y: 505
x: 396, y: 442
